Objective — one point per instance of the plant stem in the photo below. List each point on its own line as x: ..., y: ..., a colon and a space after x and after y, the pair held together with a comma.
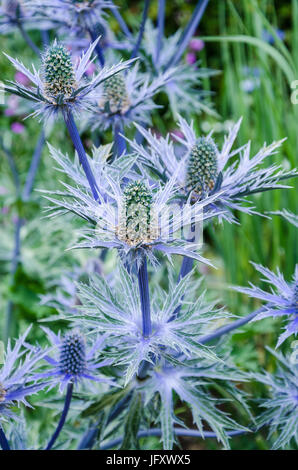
x: 27, y: 38
x: 63, y: 416
x: 33, y: 167
x: 76, y: 140
x: 178, y: 432
x: 119, y: 141
x: 188, y: 32
x: 121, y: 22
x: 90, y: 436
x: 14, y: 266
x: 3, y: 441
x: 226, y: 329
x: 160, y: 28
x: 13, y: 168
x: 145, y: 298
x: 141, y: 31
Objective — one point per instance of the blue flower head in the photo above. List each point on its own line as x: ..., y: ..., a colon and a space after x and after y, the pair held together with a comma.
x: 135, y: 217
x: 281, y: 301
x: 128, y: 97
x: 206, y: 170
x: 59, y: 85
x: 73, y: 361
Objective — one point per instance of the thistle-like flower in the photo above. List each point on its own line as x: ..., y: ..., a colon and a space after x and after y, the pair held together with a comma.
x: 136, y: 218
x: 117, y: 312
x: 59, y: 84
x: 205, y: 170
x: 281, y: 409
x: 80, y: 15
x: 281, y: 301
x: 128, y: 97
x: 72, y: 361
x: 17, y: 376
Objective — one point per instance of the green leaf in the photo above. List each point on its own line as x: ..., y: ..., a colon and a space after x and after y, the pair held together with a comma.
x: 132, y: 423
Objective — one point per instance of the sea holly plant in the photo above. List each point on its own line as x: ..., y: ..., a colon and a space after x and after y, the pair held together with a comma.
x: 134, y: 216
x: 132, y: 349
x: 282, y: 300
x: 17, y: 380
x: 127, y: 97
x: 186, y: 78
x: 206, y: 169
x: 60, y: 88
x: 281, y: 409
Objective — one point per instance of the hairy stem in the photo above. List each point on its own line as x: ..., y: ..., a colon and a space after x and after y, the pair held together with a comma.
x: 76, y: 140
x: 141, y: 31
x: 178, y: 432
x: 63, y: 416
x: 145, y: 298
x: 188, y: 32
x: 3, y: 441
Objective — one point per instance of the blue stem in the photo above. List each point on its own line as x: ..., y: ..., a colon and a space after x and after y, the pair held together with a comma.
x: 14, y: 266
x: 178, y: 432
x: 98, y: 48
x: 3, y: 441
x: 160, y: 28
x: 141, y: 32
x: 226, y: 329
x: 89, y: 438
x: 121, y: 22
x: 119, y: 141
x: 33, y: 167
x: 27, y: 38
x: 145, y: 298
x: 75, y: 137
x: 12, y: 167
x: 188, y: 32
x: 63, y: 416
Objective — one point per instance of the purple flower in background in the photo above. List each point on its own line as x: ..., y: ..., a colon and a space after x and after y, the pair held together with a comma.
x: 73, y: 361
x: 12, y: 107
x: 21, y: 78
x: 282, y: 300
x: 91, y: 69
x: 196, y: 45
x: 16, y: 376
x: 17, y: 127
x: 191, y: 58
x: 268, y: 37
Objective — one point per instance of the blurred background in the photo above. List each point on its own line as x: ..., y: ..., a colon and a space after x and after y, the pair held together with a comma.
x: 253, y: 45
